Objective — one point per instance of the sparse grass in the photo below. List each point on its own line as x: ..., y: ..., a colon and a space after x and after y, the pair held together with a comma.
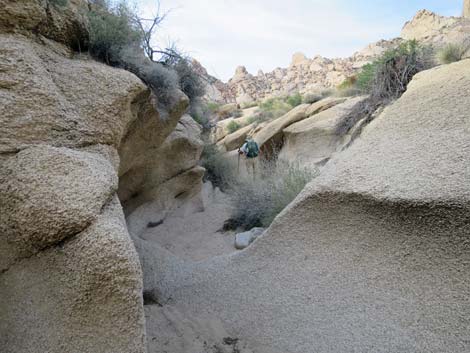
x: 219, y: 171
x: 233, y: 126
x: 257, y: 202
x: 294, y: 100
x: 453, y: 52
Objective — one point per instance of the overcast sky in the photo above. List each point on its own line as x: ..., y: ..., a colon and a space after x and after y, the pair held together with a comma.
x: 263, y: 34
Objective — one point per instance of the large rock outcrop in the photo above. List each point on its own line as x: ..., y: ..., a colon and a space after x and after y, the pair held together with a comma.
x: 466, y: 8
x: 374, y: 254
x: 437, y: 30
x: 70, y: 276
x: 312, y: 141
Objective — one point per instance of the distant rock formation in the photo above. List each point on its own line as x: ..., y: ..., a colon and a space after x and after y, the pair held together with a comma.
x: 434, y: 29
x: 466, y: 8
x: 311, y: 75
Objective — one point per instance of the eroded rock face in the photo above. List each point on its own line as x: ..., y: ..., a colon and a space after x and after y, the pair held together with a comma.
x: 313, y: 141
x: 65, y: 24
x: 373, y: 255
x: 70, y: 276
x: 437, y: 30
x: 466, y: 8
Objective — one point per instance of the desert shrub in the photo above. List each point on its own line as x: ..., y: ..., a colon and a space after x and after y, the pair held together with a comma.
x: 249, y: 105
x: 212, y: 106
x: 294, y: 100
x: 311, y: 98
x: 112, y: 30
x: 190, y: 82
x: 237, y: 113
x: 257, y: 202
x: 392, y: 72
x: 233, y: 126
x: 219, y: 171
x: 226, y: 111
x: 117, y: 38
x: 365, y: 78
x: 347, y: 83
x: 273, y: 108
x: 61, y: 3
x: 453, y: 52
x: 259, y: 117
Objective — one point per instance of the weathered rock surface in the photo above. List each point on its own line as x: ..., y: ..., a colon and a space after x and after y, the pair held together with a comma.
x: 65, y: 24
x: 152, y: 161
x: 243, y: 240
x: 36, y: 212
x: 373, y: 255
x: 437, y: 30
x: 466, y: 8
x: 70, y: 276
x: 315, y: 139
x: 271, y: 136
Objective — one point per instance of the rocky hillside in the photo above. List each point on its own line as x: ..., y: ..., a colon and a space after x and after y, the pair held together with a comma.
x: 310, y: 75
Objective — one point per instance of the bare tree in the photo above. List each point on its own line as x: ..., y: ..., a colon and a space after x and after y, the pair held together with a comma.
x: 148, y: 27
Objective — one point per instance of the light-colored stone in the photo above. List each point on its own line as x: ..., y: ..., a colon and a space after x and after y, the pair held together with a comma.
x: 315, y: 139
x: 466, y: 8
x: 43, y: 102
x: 149, y: 165
x: 270, y: 137
x: 36, y: 212
x: 80, y: 295
x: 373, y: 256
x: 243, y: 240
x: 65, y: 24
x: 437, y: 30
x: 236, y: 139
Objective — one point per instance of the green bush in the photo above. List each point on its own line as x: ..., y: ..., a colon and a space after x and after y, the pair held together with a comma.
x: 273, y: 108
x: 388, y: 76
x: 294, y: 100
x: 190, y: 82
x: 117, y: 39
x: 233, y: 126
x: 112, y: 30
x: 453, y: 53
x: 365, y: 78
x: 257, y: 202
x: 212, y: 106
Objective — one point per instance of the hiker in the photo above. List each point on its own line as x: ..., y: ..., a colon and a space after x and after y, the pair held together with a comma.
x: 251, y: 150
